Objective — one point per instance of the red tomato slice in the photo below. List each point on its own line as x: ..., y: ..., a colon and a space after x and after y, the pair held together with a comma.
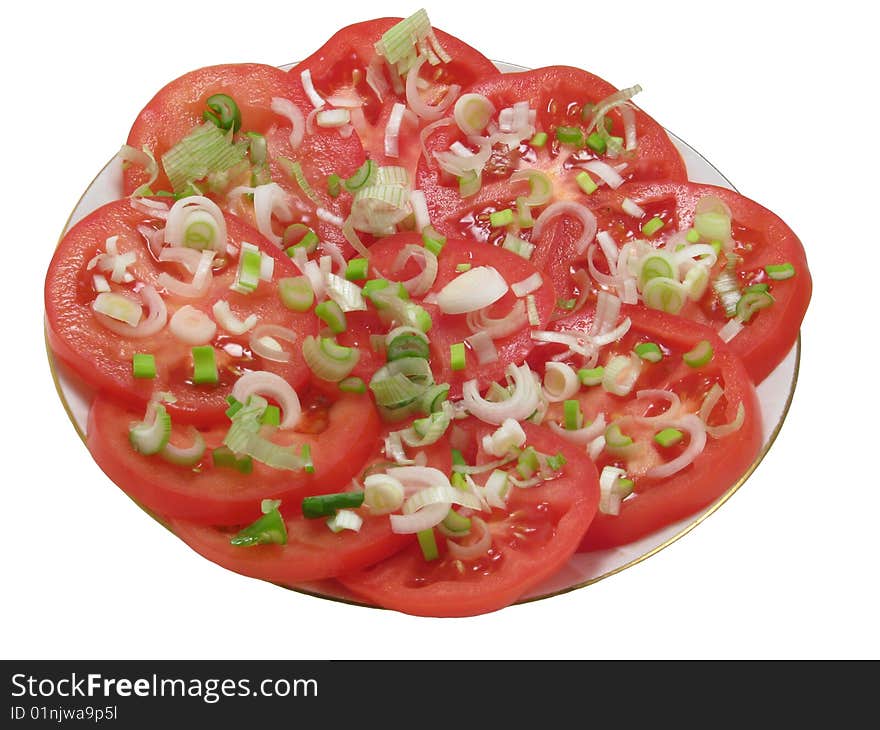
x: 312, y: 551
x: 178, y: 107
x: 341, y: 436
x: 659, y: 502
x: 103, y: 358
x: 448, y: 329
x: 532, y: 540
x: 760, y: 237
x: 339, y: 68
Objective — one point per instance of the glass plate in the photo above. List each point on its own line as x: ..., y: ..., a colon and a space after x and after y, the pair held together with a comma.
x: 774, y: 393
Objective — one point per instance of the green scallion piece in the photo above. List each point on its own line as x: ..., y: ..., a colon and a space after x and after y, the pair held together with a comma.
x: 428, y: 544
x: 362, y: 177
x: 324, y: 505
x: 527, y: 462
x: 652, y: 226
x: 223, y: 112
x: 457, y: 356
x: 295, y: 171
x: 433, y: 240
x: 469, y: 183
x: 352, y: 384
x: 223, y: 456
x: 334, y: 185
x: 573, y: 136
x: 780, y: 272
x: 205, y: 366
x: 458, y: 481
x: 586, y: 183
x: 296, y: 293
x: 751, y: 302
x: 524, y: 218
x: 267, y: 530
x: 299, y: 235
x: 456, y: 523
x: 332, y: 315
x: 501, y: 218
x: 591, y: 376
x: 407, y: 345
x: 461, y: 268
x: 250, y: 264
x: 458, y: 458
x: 539, y: 140
x: 615, y: 438
x: 668, y: 437
x: 566, y: 304
x: 205, y: 150
x: 257, y: 148
x: 762, y: 288
x: 649, y: 351
x: 357, y: 269
x: 143, y: 365
x: 271, y: 416
x: 597, y: 143
x: 693, y: 236
x: 701, y: 354
x: 306, y: 456
x: 235, y: 406
x: 573, y: 418
x: 556, y: 461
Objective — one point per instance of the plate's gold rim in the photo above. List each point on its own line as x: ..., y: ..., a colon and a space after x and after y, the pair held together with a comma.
x: 53, y: 367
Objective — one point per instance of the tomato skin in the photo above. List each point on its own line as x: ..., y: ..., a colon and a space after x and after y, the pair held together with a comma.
x: 103, y: 359
x: 448, y: 329
x: 553, y: 515
x: 723, y: 462
x: 177, y: 109
x: 771, y: 333
x: 221, y: 495
x: 312, y: 552
x: 352, y: 48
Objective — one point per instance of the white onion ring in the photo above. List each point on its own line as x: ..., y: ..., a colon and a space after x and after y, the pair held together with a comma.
x: 697, y: 431
x: 189, y: 258
x: 271, y: 200
x: 192, y: 326
x: 582, y: 436
x: 476, y: 549
x: 229, y: 322
x: 153, y: 323
x: 259, y: 382
x: 276, y: 332
x: 155, y: 208
x: 513, y: 321
x: 289, y: 110
x: 566, y: 207
x: 483, y: 346
x: 609, y: 175
x: 414, y: 98
x: 571, y: 384
x: 201, y: 281
x: 422, y: 282
x: 672, y: 411
x: 519, y: 406
x: 428, y: 131
x: 180, y: 213
x: 424, y: 519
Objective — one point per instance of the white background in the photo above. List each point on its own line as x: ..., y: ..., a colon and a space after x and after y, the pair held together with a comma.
x: 782, y: 101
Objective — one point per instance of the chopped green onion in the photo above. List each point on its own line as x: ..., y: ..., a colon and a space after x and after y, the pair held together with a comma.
x: 257, y: 148
x: 501, y: 218
x: 597, y: 143
x: 761, y: 288
x: 780, y: 272
x: 362, y: 177
x: 373, y: 286
x: 566, y: 304
x: 345, y: 519
x: 271, y: 416
x: 591, y: 376
x: 693, y: 236
x: 143, y: 365
x: 234, y: 406
x: 573, y: 136
x: 458, y: 458
x: 223, y: 456
x: 518, y: 246
x: 574, y: 419
x: 649, y: 351
x: 328, y: 360
x: 668, y: 437
x: 713, y: 225
x: 250, y: 265
x: 433, y: 240
x: 727, y: 289
x: 751, y: 302
x: 700, y: 355
x: 399, y: 42
x: 469, y: 184
x: 295, y: 171
x: 524, y: 217
x: 334, y: 185
x: 428, y: 544
x: 204, y: 366
x: 324, y: 505
x: 696, y: 281
x: 357, y: 269
x: 556, y: 461
x: 461, y: 268
x: 532, y: 310
x: 401, y: 382
x: 203, y: 151
x: 299, y: 235
x: 296, y: 293
x: 267, y: 530
x: 665, y: 294
x: 332, y: 315
x: 527, y: 462
x: 150, y: 438
x: 223, y: 112
x: 352, y: 384
x: 539, y: 140
x: 652, y: 226
x: 433, y: 398
x: 407, y: 345
x: 586, y: 183
x: 615, y: 438
x: 455, y: 522
x: 457, y: 356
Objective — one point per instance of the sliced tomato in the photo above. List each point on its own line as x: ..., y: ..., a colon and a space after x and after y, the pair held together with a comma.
x: 449, y: 329
x: 557, y: 96
x: 339, y: 69
x: 760, y: 239
x: 531, y: 540
x: 103, y: 358
x: 178, y: 107
x: 341, y: 435
x: 657, y: 502
x: 312, y: 551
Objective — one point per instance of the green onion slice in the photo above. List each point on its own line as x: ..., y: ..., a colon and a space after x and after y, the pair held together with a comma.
x: 267, y: 530
x: 701, y: 354
x: 324, y: 505
x: 223, y: 112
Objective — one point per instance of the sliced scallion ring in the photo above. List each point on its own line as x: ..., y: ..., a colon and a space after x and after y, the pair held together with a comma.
x: 223, y: 112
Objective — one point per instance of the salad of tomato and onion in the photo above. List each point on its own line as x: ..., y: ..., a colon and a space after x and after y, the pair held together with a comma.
x: 398, y: 321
